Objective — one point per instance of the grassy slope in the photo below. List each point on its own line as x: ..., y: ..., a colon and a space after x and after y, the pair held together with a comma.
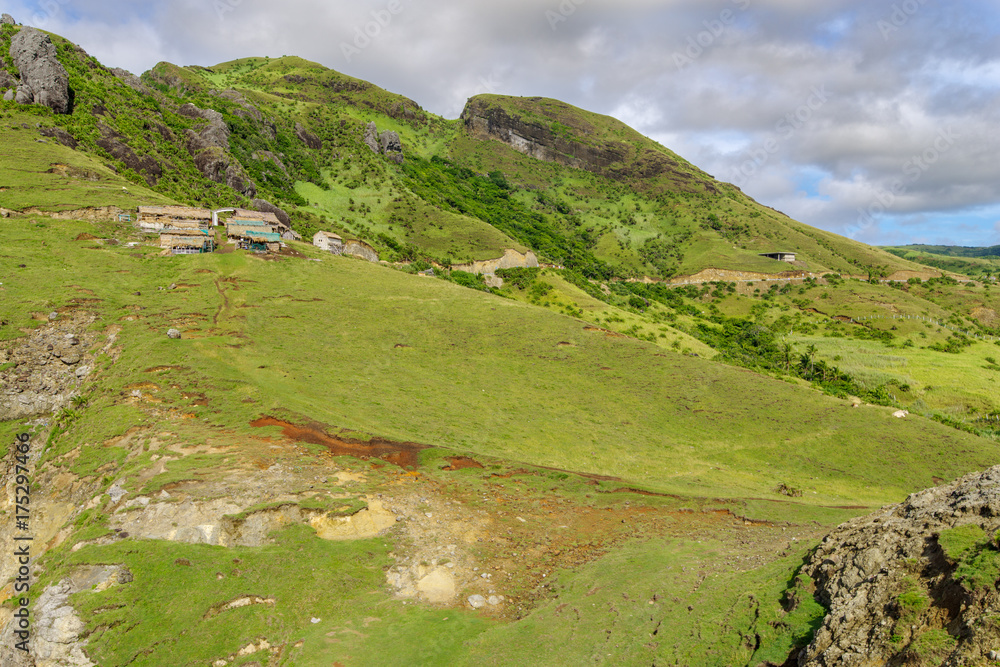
x: 630, y: 207
x: 32, y: 174
x: 318, y: 340
x: 369, y: 349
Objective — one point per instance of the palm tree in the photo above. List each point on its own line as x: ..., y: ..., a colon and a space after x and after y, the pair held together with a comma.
x: 811, y: 351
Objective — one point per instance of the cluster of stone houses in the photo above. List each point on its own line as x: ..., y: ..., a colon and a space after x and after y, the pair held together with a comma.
x: 185, y: 230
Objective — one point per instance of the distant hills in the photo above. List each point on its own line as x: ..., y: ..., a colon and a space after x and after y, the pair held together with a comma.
x: 953, y: 251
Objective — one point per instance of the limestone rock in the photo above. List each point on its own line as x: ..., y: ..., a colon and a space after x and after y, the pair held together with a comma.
x: 130, y: 80
x: 511, y: 259
x: 57, y: 629
x: 371, y: 137
x: 24, y: 94
x: 40, y: 377
x: 863, y: 567
x: 390, y: 142
x: 360, y: 249
x: 477, y: 601
x: 44, y: 76
x: 173, y: 334
x: 7, y: 19
x: 6, y: 80
x: 438, y: 587
x: 9, y: 96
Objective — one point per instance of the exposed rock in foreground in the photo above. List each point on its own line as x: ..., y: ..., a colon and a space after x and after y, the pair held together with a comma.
x: 915, y: 583
x: 41, y: 372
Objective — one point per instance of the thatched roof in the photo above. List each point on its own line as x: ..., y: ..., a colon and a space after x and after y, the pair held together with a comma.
x: 267, y: 237
x: 175, y: 212
x: 241, y: 228
x: 266, y: 216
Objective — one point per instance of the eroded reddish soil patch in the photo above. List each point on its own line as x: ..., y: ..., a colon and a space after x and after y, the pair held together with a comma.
x: 402, y: 454
x: 461, y: 463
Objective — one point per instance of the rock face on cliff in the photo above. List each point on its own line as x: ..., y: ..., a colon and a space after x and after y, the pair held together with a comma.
x: 43, y: 78
x: 537, y: 139
x: 307, y: 137
x: 511, y: 259
x: 114, y: 144
x: 914, y: 583
x: 388, y: 142
x: 392, y: 145
x: 210, y: 148
x: 554, y: 131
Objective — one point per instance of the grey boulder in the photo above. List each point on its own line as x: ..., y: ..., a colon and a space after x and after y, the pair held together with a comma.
x: 42, y: 75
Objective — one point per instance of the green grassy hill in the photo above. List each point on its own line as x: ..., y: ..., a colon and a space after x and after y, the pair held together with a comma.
x: 598, y: 197
x: 344, y: 462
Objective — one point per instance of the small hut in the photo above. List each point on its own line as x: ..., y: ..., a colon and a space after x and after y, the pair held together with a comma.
x: 329, y: 241
x: 156, y: 218
x: 255, y: 235
x: 186, y: 241
x: 780, y: 256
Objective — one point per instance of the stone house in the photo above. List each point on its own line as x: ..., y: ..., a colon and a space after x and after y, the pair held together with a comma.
x: 329, y: 241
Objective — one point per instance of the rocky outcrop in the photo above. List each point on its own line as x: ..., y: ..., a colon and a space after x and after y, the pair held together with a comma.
x: 371, y: 137
x: 511, y: 259
x: 6, y: 80
x: 265, y: 206
x: 43, y: 78
x: 387, y: 143
x: 553, y: 131
x: 210, y: 148
x: 60, y: 135
x: 360, y: 249
x: 308, y: 138
x: 224, y: 522
x: 890, y: 586
x: 130, y: 80
x: 44, y: 370
x: 7, y: 19
x: 487, y: 121
x: 55, y: 639
x: 391, y: 145
x: 114, y: 144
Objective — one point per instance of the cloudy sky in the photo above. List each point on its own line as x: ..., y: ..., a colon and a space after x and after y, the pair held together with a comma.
x: 877, y: 119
